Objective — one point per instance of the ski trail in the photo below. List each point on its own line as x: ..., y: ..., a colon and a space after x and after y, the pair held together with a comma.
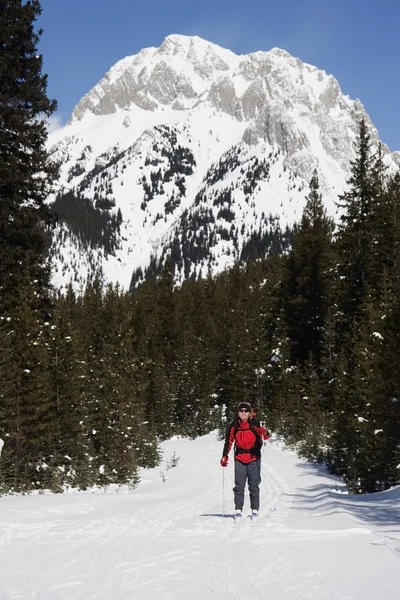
x: 171, y: 541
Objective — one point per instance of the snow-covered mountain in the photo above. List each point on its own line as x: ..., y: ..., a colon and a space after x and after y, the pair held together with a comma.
x: 191, y: 148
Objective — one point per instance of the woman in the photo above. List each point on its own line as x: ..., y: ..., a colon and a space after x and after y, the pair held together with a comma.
x: 247, y: 436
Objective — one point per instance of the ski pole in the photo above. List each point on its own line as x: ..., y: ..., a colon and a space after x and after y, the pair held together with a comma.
x: 223, y: 492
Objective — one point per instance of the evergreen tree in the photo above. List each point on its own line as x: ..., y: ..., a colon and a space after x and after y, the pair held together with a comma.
x: 386, y: 234
x: 307, y: 289
x: 314, y: 433
x: 157, y: 303
x: 25, y: 172
x: 195, y: 365
x: 328, y: 381
x: 276, y: 404
x: 383, y: 444
x: 355, y: 231
x: 364, y: 378
x: 341, y: 445
x: 294, y: 418
x: 241, y: 338
x: 71, y: 418
x: 25, y: 390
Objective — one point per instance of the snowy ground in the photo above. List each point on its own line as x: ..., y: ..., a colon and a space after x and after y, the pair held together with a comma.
x: 169, y: 538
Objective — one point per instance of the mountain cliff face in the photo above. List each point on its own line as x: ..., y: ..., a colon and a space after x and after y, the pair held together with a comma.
x: 191, y: 149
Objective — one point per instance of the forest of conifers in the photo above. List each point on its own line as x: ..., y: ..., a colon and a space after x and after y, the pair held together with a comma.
x: 90, y: 383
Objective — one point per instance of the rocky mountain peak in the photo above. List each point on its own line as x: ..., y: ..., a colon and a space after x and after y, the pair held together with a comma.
x: 175, y: 72
x: 193, y: 149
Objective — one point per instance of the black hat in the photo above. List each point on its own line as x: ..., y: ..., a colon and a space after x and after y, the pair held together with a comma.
x: 244, y: 405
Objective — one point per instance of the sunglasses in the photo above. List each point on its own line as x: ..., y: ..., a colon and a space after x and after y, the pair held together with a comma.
x: 244, y: 410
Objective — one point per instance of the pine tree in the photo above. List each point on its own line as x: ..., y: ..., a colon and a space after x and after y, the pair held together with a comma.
x: 384, y: 442
x: 355, y: 231
x: 121, y: 392
x: 328, y: 381
x: 166, y: 315
x: 194, y: 374
x: 25, y: 389
x: 25, y: 172
x: 71, y: 418
x: 278, y: 373
x: 160, y: 346
x: 314, y: 432
x: 364, y: 378
x: 386, y: 233
x: 307, y: 289
x: 276, y: 362
x: 241, y: 338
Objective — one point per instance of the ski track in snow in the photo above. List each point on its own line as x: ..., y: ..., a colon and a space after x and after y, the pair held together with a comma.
x: 171, y: 541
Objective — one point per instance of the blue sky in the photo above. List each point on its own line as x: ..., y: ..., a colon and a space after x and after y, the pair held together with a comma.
x: 356, y: 41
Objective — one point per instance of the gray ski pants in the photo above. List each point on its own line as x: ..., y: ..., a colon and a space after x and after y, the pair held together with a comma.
x: 251, y: 473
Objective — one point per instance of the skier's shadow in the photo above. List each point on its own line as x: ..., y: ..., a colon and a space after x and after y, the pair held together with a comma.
x: 219, y: 515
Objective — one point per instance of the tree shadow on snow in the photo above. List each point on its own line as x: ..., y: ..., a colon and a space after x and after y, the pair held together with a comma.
x: 329, y: 497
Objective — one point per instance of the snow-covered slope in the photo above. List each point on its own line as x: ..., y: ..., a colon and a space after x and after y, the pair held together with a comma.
x: 169, y: 538
x: 191, y: 147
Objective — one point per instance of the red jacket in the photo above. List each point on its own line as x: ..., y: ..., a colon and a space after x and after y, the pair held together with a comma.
x: 245, y: 439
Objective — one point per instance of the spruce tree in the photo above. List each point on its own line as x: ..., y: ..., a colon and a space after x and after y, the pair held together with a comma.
x: 307, y: 288
x: 341, y: 445
x: 194, y: 374
x: 354, y: 239
x: 241, y: 339
x: 386, y: 233
x: 71, y: 418
x: 25, y: 172
x: 365, y: 378
x: 384, y: 438
x: 387, y: 403
x: 314, y: 433
x: 25, y: 390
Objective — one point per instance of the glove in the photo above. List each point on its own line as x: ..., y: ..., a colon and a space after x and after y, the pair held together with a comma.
x: 265, y: 433
x: 224, y: 461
